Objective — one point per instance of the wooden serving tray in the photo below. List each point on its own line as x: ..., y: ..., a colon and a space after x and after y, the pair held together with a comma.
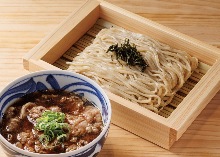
x: 77, y: 32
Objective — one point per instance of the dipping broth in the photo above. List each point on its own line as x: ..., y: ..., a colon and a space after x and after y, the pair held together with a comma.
x: 51, y: 122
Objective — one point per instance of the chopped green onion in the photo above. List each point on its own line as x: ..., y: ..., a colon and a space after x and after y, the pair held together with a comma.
x: 53, y: 126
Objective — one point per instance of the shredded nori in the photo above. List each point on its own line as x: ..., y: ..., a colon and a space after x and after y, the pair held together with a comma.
x: 129, y: 54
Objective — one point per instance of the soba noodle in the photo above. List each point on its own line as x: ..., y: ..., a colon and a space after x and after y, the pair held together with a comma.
x: 167, y: 70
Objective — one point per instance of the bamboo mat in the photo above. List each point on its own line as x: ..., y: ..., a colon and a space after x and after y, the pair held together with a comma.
x: 24, y: 23
x: 88, y: 38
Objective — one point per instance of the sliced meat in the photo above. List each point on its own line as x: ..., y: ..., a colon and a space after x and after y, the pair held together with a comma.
x: 24, y: 137
x: 39, y: 148
x: 10, y: 113
x: 90, y: 121
x: 25, y: 108
x: 78, y: 124
x: 82, y: 143
x: 55, y: 108
x: 73, y: 104
x: 26, y: 141
x: 36, y: 112
x: 71, y: 148
x: 13, y: 124
x: 92, y: 114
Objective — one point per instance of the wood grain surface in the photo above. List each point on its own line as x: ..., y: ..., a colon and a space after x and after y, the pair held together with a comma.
x: 23, y: 23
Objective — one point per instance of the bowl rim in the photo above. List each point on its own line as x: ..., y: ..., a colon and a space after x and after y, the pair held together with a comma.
x: 74, y: 152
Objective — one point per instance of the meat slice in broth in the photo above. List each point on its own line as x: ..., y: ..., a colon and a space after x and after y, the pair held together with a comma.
x: 36, y: 112
x: 13, y: 124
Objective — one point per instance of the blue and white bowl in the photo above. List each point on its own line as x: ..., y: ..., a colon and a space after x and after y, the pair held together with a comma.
x: 57, y: 79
